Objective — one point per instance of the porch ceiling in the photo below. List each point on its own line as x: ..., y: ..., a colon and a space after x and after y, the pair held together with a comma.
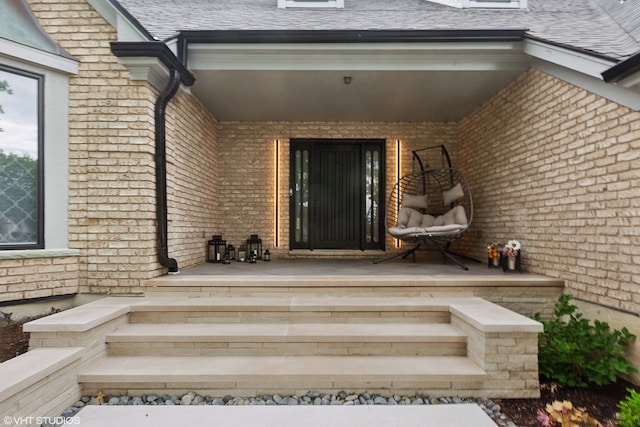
x: 385, y: 82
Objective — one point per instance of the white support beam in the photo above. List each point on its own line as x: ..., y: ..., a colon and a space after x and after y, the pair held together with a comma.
x: 354, y: 56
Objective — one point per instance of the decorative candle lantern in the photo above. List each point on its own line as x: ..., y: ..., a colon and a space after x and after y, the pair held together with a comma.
x: 254, y: 246
x: 231, y: 252
x: 267, y: 255
x: 242, y: 254
x: 216, y: 249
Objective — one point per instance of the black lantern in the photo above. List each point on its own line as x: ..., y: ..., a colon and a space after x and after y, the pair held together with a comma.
x: 231, y: 252
x: 242, y: 254
x: 216, y: 249
x: 254, y: 247
x: 267, y: 255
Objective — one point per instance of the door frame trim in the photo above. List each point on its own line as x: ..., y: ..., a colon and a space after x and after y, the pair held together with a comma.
x: 380, y: 144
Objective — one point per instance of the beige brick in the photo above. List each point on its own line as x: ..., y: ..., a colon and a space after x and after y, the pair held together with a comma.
x: 537, y: 137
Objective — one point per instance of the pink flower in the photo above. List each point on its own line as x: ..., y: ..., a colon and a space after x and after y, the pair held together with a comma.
x: 543, y: 419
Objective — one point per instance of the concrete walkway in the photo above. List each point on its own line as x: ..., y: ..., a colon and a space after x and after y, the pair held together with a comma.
x: 460, y: 415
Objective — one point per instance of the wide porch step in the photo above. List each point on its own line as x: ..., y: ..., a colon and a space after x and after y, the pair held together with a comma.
x: 279, y: 374
x: 307, y: 309
x: 279, y: 339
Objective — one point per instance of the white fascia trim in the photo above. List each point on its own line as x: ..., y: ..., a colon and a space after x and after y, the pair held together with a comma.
x: 127, y: 32
x: 358, y: 56
x: 151, y: 70
x: 38, y: 57
x: 581, y: 62
x: 473, y: 4
x: 147, y: 69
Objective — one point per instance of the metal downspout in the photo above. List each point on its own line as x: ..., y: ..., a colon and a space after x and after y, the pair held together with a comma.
x: 161, y: 171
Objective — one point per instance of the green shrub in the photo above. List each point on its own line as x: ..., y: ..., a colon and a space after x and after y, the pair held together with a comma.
x: 575, y: 352
x: 630, y: 410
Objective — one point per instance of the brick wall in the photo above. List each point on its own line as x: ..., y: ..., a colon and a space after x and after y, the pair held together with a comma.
x: 27, y: 278
x: 112, y: 201
x: 556, y: 167
x: 192, y: 179
x: 246, y: 162
x: 549, y: 164
x: 112, y: 170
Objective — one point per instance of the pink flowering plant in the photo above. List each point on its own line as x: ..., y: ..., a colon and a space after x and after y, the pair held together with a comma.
x: 511, y: 249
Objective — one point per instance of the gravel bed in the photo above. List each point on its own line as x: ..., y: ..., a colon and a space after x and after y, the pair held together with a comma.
x: 312, y: 398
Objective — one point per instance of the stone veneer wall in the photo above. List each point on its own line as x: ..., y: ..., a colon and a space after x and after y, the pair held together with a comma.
x: 112, y: 170
x: 246, y: 170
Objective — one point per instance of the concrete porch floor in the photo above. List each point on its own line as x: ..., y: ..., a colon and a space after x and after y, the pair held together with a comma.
x: 425, y: 265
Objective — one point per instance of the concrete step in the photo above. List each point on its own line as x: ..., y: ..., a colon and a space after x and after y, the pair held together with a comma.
x: 308, y: 309
x: 250, y: 375
x: 280, y: 339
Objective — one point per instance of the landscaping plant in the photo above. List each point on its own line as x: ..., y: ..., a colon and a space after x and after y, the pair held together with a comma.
x: 565, y: 415
x: 630, y: 410
x: 576, y: 352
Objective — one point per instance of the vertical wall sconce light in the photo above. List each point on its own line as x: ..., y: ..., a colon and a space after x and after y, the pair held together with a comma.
x: 276, y: 198
x: 398, y: 176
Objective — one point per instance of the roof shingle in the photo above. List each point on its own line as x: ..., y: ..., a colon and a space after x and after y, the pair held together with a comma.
x: 604, y: 27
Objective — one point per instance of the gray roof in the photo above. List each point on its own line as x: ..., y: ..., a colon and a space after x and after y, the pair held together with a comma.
x: 605, y: 27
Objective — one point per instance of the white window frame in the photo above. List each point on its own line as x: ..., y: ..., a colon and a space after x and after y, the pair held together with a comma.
x: 56, y: 71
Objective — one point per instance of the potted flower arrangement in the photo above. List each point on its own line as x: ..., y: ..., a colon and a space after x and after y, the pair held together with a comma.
x: 493, y: 253
x: 511, y: 251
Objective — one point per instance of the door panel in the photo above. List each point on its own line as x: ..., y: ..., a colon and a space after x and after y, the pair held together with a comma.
x: 335, y: 194
x: 336, y: 201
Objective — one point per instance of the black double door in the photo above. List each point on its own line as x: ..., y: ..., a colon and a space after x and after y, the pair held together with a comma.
x: 337, y: 194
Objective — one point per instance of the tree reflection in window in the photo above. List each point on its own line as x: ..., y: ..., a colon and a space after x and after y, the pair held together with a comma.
x: 20, y: 159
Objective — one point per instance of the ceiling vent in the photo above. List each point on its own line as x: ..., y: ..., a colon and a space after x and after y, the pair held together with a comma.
x: 335, y: 4
x: 484, y: 4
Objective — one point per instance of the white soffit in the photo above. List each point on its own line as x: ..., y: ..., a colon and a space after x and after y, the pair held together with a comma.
x: 436, y: 81
x: 631, y: 82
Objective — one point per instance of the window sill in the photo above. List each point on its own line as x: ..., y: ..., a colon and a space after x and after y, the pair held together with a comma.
x: 39, y: 253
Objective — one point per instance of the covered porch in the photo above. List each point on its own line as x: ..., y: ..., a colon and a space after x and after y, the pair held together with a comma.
x: 354, y: 273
